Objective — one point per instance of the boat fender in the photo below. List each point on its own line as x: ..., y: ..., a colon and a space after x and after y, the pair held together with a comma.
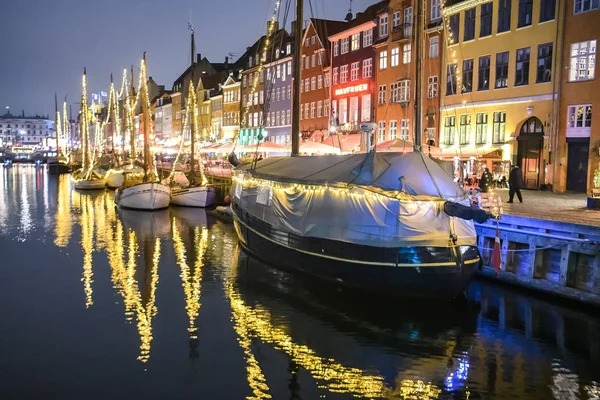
x: 233, y: 160
x: 467, y: 213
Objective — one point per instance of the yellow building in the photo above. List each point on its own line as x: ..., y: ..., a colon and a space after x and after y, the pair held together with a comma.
x: 498, y: 106
x: 177, y: 114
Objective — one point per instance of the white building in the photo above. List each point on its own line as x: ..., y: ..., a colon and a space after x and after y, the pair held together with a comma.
x: 163, y: 118
x: 25, y: 130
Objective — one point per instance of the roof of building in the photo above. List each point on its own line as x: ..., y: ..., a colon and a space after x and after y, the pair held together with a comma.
x: 326, y: 27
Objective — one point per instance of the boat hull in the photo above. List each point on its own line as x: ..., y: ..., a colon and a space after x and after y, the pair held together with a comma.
x: 55, y: 168
x: 199, y: 196
x: 92, y: 184
x: 144, y: 196
x: 115, y: 179
x: 411, y: 271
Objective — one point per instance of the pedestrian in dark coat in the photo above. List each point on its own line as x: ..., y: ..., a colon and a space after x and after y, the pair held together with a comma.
x: 485, y: 181
x: 515, y: 181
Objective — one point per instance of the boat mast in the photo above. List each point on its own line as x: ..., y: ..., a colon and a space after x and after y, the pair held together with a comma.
x: 114, y: 121
x: 192, y: 178
x: 146, y: 113
x: 131, y: 117
x: 297, y: 82
x: 84, y: 125
x: 58, y: 125
x: 419, y: 74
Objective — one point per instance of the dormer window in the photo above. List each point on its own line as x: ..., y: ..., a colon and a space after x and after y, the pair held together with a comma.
x: 289, y: 48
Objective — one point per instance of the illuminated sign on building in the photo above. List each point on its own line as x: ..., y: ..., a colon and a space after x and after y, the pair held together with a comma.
x: 352, y: 89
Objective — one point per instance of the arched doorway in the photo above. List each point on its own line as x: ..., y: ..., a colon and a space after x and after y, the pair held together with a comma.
x: 529, y: 155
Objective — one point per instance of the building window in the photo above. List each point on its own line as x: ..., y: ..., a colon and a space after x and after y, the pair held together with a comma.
x: 288, y: 48
x: 244, y: 80
x: 313, y: 83
x: 451, y: 79
x: 404, y: 129
x: 320, y: 82
x: 432, y: 87
x: 434, y: 46
x: 326, y: 108
x: 320, y: 58
x: 327, y: 79
x: 306, y: 63
x: 580, y: 116
x: 381, y: 131
x: 485, y: 28
x: 395, y: 20
x: 453, y: 28
x: 467, y: 76
x: 278, y: 94
x: 583, y: 61
x: 449, y: 130
x: 484, y: 73
x: 354, y: 109
x: 313, y: 40
x: 394, y: 92
x: 367, y: 70
x: 525, y: 13
x: 383, y: 26
x: 306, y: 111
x: 313, y: 60
x: 548, y: 9
x: 544, y: 63
x: 382, y: 94
x: 356, y: 41
x: 394, y: 57
x: 307, y: 43
x: 335, y: 76
x: 367, y: 38
x: 504, y: 15
x: 464, y: 130
x: 383, y: 60
x: 343, y: 116
x: 336, y: 48
x: 307, y: 85
x: 312, y: 109
x: 502, y: 70
x: 522, y: 67
x: 261, y: 97
x: 366, y: 108
x: 404, y: 91
x: 345, y: 45
x: 319, y: 109
x: 344, y: 74
x: 481, y: 128
x: 301, y: 111
x: 582, y: 6
x: 406, y: 53
x: 469, y: 33
x: 499, y: 127
x: 354, y: 71
x: 393, y: 129
x: 436, y: 10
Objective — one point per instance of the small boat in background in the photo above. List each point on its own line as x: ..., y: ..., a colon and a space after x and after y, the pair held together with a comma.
x: 59, y: 164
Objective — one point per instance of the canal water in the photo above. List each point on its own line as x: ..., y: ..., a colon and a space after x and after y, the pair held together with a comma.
x: 99, y: 303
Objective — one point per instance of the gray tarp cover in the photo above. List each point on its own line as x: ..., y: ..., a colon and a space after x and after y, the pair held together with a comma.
x: 415, y: 217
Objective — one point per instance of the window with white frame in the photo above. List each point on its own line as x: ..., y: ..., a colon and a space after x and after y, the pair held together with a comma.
x: 383, y: 60
x: 278, y: 98
x: 313, y: 60
x: 288, y: 114
x: 395, y: 57
x: 289, y: 92
x: 301, y: 111
x: 307, y: 85
x: 306, y: 62
x: 356, y: 41
x: 579, y: 121
x: 404, y: 129
x: 278, y: 71
x: 312, y: 109
x: 381, y: 131
x: 382, y: 94
x: 326, y: 108
x: 319, y: 109
x: 449, y: 130
x: 383, y: 26
x: 335, y: 76
x: 255, y: 116
x: 393, y: 129
x: 345, y: 45
x: 583, y: 61
x: 313, y: 83
x: 367, y: 71
x: 395, y: 24
x: 255, y: 98
x: 354, y: 109
x: 406, y: 54
x: 327, y: 79
x: 344, y: 74
x: 394, y: 92
x: 306, y: 109
x: 320, y: 58
x: 288, y: 48
x: 432, y: 87
x: 307, y: 42
x: 320, y: 82
x: 365, y: 115
x: 343, y: 115
x: 481, y: 124
x: 355, y: 67
x: 404, y: 91
x: 313, y: 40
x: 464, y: 129
x: 368, y: 38
x: 436, y: 10
x: 434, y: 47
x: 336, y: 48
x: 582, y: 6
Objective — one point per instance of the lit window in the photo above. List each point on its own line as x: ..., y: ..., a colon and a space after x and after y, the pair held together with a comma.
x: 404, y: 129
x: 336, y: 48
x: 381, y: 131
x: 434, y: 46
x: 345, y: 45
x: 393, y: 129
x: 383, y: 60
x: 580, y: 117
x: 407, y: 53
x: 319, y: 81
x: 367, y: 38
x: 383, y: 26
x: 432, y: 87
x: 356, y: 41
x: 395, y: 57
x: 366, y: 108
x: 436, y: 10
x: 354, y: 71
x: 395, y: 22
x: 583, y: 61
x: 343, y: 74
x: 367, y: 71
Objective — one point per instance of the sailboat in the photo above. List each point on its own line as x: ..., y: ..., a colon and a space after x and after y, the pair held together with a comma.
x: 86, y: 178
x: 195, y: 194
x: 395, y: 223
x: 60, y: 163
x: 144, y: 191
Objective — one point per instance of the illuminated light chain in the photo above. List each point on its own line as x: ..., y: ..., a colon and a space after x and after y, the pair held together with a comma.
x: 151, y: 168
x: 59, y: 128
x: 85, y: 129
x: 194, y: 126
x: 66, y: 129
x: 261, y: 66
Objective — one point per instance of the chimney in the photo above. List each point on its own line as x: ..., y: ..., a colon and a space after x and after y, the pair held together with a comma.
x: 226, y: 61
x: 275, y: 25
x: 198, y: 58
x: 293, y: 27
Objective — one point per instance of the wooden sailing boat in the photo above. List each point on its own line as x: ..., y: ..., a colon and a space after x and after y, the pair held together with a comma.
x: 394, y: 223
x: 144, y: 191
x: 59, y: 164
x: 85, y: 178
x: 196, y: 194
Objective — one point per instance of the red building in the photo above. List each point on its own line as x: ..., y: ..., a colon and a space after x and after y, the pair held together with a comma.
x: 353, y: 57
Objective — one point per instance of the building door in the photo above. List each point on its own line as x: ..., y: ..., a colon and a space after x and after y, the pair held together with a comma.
x: 529, y: 156
x: 577, y: 164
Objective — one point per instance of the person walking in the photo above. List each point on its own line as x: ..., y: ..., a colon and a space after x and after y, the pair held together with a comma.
x: 515, y: 181
x: 485, y: 181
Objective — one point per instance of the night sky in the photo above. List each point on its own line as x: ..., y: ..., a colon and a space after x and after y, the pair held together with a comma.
x: 46, y: 43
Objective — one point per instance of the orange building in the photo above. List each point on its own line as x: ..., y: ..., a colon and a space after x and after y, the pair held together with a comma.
x: 578, y: 154
x: 316, y: 70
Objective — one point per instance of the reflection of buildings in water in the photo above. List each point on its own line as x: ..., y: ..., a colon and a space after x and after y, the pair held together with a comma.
x: 3, y: 200
x: 63, y: 223
x: 191, y: 276
x: 25, y: 213
x: 255, y: 322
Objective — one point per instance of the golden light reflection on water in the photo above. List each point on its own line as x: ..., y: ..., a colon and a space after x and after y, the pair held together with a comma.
x: 25, y: 210
x: 87, y: 245
x: 63, y: 222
